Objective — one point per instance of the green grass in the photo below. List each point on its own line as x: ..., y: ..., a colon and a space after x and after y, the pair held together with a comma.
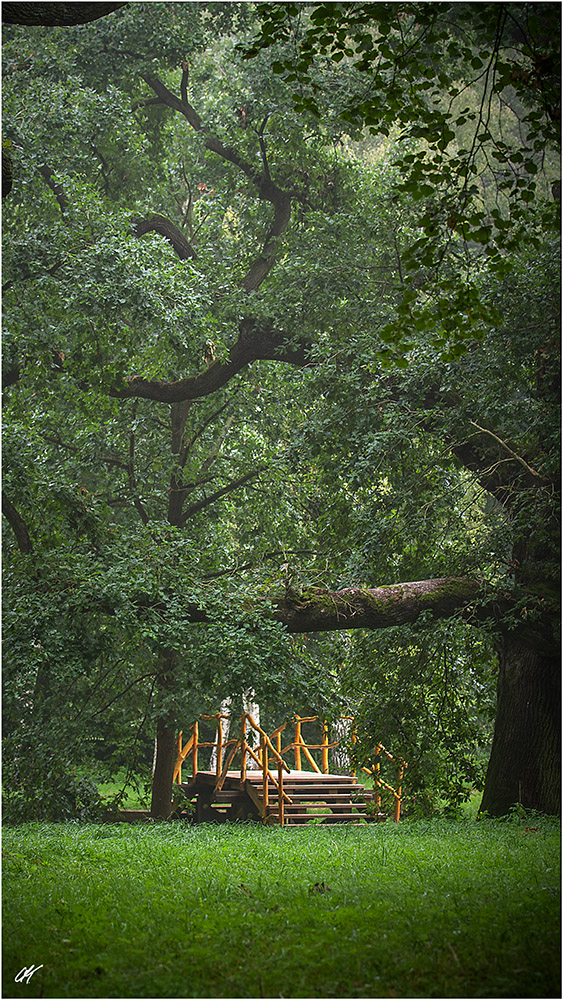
x: 132, y: 799
x: 426, y: 909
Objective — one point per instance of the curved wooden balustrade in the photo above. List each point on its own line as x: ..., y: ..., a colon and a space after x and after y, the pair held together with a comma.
x: 264, y: 772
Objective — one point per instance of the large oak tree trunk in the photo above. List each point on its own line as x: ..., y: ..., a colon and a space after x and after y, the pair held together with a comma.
x: 525, y: 761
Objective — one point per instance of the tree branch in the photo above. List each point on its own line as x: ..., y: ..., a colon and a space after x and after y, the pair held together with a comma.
x: 57, y: 188
x: 56, y: 13
x: 165, y: 227
x: 224, y: 491
x: 385, y: 607
x: 188, y: 444
x: 264, y: 346
x: 18, y: 525
x: 503, y: 444
x: 267, y: 190
x: 318, y: 610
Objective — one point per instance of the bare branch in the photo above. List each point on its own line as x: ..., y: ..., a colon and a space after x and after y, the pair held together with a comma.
x: 224, y: 491
x: 504, y: 445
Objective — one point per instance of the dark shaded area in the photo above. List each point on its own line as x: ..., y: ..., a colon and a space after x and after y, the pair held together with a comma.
x: 56, y: 13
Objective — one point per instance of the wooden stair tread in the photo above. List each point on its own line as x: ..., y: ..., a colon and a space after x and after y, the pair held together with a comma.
x: 311, y: 815
x: 307, y: 796
x: 300, y: 790
x: 304, y: 818
x: 334, y: 786
x: 339, y: 798
x: 303, y: 776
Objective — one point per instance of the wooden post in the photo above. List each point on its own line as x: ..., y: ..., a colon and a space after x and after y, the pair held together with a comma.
x: 179, y: 771
x: 376, y: 773
x: 397, y: 812
x: 280, y: 778
x: 219, y: 746
x: 354, y: 741
x: 280, y: 795
x: 194, y: 749
x: 324, y: 751
x: 265, y: 799
x: 243, y: 748
x: 297, y: 742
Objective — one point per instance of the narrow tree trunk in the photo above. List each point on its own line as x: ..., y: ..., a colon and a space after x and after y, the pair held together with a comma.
x: 165, y: 758
x: 525, y: 761
x: 165, y: 740
x: 165, y: 745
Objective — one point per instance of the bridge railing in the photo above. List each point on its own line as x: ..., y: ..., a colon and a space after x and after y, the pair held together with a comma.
x: 269, y: 758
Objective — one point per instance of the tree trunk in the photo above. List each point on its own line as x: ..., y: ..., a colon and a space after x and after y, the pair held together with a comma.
x: 525, y: 761
x: 165, y: 745
x: 165, y: 758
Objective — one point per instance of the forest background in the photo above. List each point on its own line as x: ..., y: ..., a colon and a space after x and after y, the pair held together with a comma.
x: 281, y: 336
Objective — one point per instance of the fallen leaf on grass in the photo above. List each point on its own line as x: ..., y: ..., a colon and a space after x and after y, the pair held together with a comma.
x: 320, y: 887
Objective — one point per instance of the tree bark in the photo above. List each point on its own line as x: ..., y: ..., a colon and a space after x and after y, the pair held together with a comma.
x: 525, y: 762
x: 252, y: 345
x: 165, y: 758
x: 317, y: 610
x: 165, y: 227
x: 165, y: 743
x: 18, y: 524
x: 56, y: 13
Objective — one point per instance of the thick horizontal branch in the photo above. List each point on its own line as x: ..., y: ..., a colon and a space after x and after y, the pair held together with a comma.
x: 384, y: 607
x: 56, y: 13
x: 263, y: 347
x: 165, y: 227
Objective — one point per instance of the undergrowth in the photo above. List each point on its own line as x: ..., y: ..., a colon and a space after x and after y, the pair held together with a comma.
x: 431, y: 908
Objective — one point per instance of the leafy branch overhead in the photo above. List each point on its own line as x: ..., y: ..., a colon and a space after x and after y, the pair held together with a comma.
x: 440, y: 78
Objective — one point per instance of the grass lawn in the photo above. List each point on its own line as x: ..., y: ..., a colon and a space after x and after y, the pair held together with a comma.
x: 427, y: 909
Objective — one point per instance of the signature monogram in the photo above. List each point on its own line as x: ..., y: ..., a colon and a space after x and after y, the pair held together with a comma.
x: 25, y: 974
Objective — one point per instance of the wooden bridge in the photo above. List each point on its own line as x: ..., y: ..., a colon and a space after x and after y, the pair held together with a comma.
x: 265, y: 788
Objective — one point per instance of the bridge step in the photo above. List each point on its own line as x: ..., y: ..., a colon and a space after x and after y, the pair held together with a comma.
x: 316, y: 799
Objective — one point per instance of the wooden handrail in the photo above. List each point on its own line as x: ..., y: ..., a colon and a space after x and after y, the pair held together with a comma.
x: 180, y: 757
x: 298, y: 746
x: 259, y: 729
x: 375, y: 772
x: 228, y: 761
